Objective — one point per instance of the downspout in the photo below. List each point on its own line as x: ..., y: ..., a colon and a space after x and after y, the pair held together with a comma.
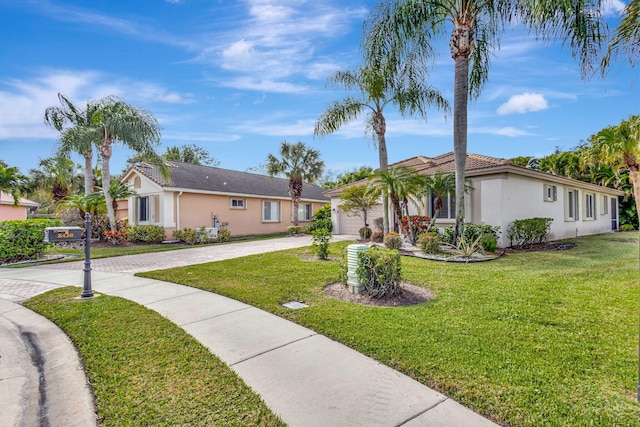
x: 178, y: 210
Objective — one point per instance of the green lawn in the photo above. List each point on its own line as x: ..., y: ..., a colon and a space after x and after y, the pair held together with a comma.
x: 531, y: 339
x: 147, y: 371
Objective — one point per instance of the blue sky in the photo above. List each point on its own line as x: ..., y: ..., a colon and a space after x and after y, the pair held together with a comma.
x: 238, y: 77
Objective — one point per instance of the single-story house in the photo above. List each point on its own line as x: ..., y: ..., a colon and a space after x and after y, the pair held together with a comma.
x: 197, y: 196
x: 10, y: 212
x: 500, y: 193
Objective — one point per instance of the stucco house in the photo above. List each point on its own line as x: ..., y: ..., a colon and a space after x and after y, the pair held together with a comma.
x: 10, y: 212
x: 501, y: 192
x: 202, y: 196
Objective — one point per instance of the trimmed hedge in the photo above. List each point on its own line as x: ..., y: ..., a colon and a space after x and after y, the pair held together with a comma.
x: 523, y: 232
x: 22, y: 240
x: 146, y: 233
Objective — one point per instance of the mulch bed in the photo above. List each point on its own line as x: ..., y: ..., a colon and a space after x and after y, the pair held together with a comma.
x: 411, y: 295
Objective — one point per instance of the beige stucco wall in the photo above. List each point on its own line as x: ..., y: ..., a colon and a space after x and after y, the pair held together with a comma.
x: 10, y: 212
x: 198, y: 210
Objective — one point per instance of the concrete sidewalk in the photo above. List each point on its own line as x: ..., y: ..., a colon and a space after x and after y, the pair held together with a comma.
x: 306, y: 378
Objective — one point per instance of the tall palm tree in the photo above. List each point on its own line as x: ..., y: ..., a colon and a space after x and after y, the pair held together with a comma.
x: 378, y: 85
x: 11, y: 182
x: 300, y: 164
x: 440, y: 185
x: 402, y: 27
x: 73, y: 123
x: 620, y: 146
x: 116, y: 121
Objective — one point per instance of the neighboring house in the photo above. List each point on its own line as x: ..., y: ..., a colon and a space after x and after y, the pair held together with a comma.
x: 10, y: 212
x: 501, y: 192
x: 202, y: 196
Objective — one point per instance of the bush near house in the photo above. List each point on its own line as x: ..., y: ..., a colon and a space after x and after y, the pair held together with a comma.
x: 531, y: 231
x: 146, y: 233
x: 419, y: 223
x: 393, y: 240
x: 430, y: 242
x: 321, y: 219
x: 22, y: 240
x: 295, y: 230
x: 377, y: 236
x: 365, y: 233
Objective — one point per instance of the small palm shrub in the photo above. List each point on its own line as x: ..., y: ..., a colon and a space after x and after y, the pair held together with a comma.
x: 377, y: 236
x: 365, y: 233
x: 191, y: 236
x: 321, y: 237
x: 223, y: 235
x: 145, y: 233
x: 393, y: 240
x: 430, y: 242
x: 380, y: 272
x: 627, y: 227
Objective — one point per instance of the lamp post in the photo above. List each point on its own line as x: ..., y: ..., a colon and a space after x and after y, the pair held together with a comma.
x: 87, y: 292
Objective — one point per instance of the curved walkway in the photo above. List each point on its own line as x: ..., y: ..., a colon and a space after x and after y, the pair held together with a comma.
x: 306, y: 378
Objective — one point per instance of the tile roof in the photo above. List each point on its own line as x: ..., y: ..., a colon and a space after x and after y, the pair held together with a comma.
x: 445, y: 163
x: 206, y: 178
x: 7, y: 199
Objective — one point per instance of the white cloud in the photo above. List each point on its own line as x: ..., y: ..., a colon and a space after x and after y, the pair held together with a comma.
x: 524, y: 103
x: 502, y: 131
x: 23, y: 102
x: 612, y: 7
x: 251, y: 83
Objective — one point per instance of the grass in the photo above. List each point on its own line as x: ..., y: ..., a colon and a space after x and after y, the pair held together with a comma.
x: 145, y: 370
x: 530, y: 339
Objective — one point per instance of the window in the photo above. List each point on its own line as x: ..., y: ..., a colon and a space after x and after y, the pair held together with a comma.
x: 550, y: 193
x: 589, y: 206
x: 270, y: 211
x: 604, y: 206
x: 571, y: 207
x: 304, y: 212
x: 448, y: 210
x: 143, y: 209
x: 238, y: 204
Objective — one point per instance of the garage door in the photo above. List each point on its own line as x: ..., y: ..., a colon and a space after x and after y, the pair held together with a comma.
x: 351, y: 224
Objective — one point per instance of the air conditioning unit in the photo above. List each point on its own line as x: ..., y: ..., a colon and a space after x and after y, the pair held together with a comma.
x: 212, y: 232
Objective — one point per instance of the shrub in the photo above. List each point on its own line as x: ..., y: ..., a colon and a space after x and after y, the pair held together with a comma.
x: 377, y: 236
x: 365, y: 233
x: 473, y: 231
x: 321, y: 237
x: 295, y: 230
x: 523, y: 232
x: 192, y: 237
x: 627, y: 227
x: 393, y: 240
x: 419, y: 223
x: 99, y: 225
x: 378, y: 223
x: 447, y: 235
x: 489, y: 242
x: 380, y: 271
x: 23, y: 239
x: 116, y: 236
x: 146, y: 233
x: 223, y: 235
x: 321, y: 219
x: 430, y: 242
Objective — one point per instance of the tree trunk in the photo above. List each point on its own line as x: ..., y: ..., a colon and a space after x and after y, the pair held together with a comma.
x: 633, y: 171
x: 295, y: 190
x: 105, y: 153
x: 88, y: 172
x: 461, y: 44
x: 380, y: 127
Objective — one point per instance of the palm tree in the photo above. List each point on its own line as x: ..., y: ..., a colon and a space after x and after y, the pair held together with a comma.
x: 11, y: 182
x: 73, y: 138
x: 379, y: 84
x: 116, y: 121
x: 400, y: 185
x: 406, y: 27
x: 440, y: 185
x: 299, y: 163
x: 357, y: 200
x: 620, y: 146
x: 626, y: 37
